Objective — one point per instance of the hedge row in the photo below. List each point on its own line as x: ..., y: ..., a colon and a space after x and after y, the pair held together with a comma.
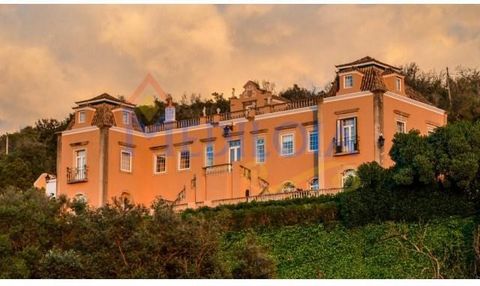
x: 354, y: 208
x: 272, y: 215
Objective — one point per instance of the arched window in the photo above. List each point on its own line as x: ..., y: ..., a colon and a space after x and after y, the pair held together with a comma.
x: 347, y: 174
x: 288, y: 187
x: 125, y: 198
x: 313, y: 184
x: 81, y: 197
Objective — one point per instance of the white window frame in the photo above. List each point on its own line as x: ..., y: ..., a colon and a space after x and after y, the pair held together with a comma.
x: 345, y: 176
x: 293, y: 144
x: 347, y: 144
x: 309, y: 140
x: 310, y: 184
x: 130, y: 163
x: 345, y: 81
x: 81, y: 114
x: 126, y: 117
x: 206, y: 155
x: 236, y: 148
x: 404, y: 126
x: 179, y: 160
x: 155, y: 171
x: 82, y: 175
x: 264, y: 150
x: 398, y: 84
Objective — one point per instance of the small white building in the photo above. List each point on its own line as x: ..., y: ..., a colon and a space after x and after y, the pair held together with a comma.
x: 47, y: 182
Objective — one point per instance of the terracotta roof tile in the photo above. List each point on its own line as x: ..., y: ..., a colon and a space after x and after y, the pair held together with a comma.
x: 365, y: 60
x: 104, y: 96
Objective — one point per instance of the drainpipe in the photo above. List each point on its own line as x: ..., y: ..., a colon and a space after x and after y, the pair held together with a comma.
x: 378, y: 118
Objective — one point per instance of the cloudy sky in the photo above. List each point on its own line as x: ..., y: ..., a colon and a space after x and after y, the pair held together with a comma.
x: 51, y: 56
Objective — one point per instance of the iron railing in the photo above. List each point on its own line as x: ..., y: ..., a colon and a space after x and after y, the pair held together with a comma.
x: 77, y: 175
x: 346, y: 146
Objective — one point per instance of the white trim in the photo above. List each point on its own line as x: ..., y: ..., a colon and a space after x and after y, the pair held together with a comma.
x: 342, y: 73
x: 308, y: 141
x: 281, y: 144
x: 415, y: 102
x: 122, y: 108
x: 84, y: 108
x: 80, y: 113
x: 206, y: 156
x: 345, y: 81
x: 232, y: 121
x: 347, y: 96
x: 394, y: 74
x: 155, y: 155
x: 128, y: 117
x: 397, y: 120
x: 398, y: 81
x: 131, y: 160
x: 366, y: 64
x: 131, y: 131
x: 235, y: 147
x: 287, y: 112
x: 79, y: 130
x: 179, y: 152
x: 264, y: 150
x: 103, y: 99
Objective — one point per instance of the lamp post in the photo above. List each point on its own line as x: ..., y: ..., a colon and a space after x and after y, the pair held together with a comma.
x: 6, y: 144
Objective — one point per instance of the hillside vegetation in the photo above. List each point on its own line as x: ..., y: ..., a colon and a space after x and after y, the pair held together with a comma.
x: 439, y: 249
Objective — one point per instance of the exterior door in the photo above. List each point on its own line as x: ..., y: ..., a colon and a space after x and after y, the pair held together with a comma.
x: 234, y: 151
x: 348, y: 133
x: 81, y: 164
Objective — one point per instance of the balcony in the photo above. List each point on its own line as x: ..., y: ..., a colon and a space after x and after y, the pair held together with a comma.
x: 346, y: 146
x: 77, y: 175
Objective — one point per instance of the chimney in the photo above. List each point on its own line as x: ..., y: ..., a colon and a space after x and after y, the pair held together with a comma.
x: 169, y: 110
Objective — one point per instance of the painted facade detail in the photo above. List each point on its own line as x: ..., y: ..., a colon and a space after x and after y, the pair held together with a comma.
x: 265, y: 145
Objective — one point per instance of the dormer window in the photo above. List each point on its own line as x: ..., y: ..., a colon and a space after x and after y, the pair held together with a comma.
x: 81, y: 117
x: 348, y: 81
x: 126, y: 118
x: 398, y: 84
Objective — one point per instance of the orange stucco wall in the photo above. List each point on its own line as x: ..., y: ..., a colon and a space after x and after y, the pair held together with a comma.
x: 416, y: 115
x: 143, y: 185
x: 334, y: 165
x: 90, y: 188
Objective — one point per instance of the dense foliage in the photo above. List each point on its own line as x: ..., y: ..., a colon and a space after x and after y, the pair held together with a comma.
x: 439, y: 249
x: 463, y: 103
x: 48, y: 238
x: 32, y: 151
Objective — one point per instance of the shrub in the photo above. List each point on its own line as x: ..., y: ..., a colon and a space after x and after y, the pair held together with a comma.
x: 252, y: 260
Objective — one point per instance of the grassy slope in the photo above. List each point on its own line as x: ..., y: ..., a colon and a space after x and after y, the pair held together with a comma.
x: 367, y: 252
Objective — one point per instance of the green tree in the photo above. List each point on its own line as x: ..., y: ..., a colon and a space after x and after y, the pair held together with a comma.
x: 413, y: 158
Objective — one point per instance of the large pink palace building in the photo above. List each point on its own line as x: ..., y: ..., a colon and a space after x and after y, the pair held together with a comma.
x: 265, y: 145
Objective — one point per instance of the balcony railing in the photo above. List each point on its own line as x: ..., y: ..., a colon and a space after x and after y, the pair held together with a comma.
x: 77, y: 175
x: 218, y: 169
x: 231, y: 115
x: 172, y: 125
x: 263, y: 198
x: 346, y: 146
